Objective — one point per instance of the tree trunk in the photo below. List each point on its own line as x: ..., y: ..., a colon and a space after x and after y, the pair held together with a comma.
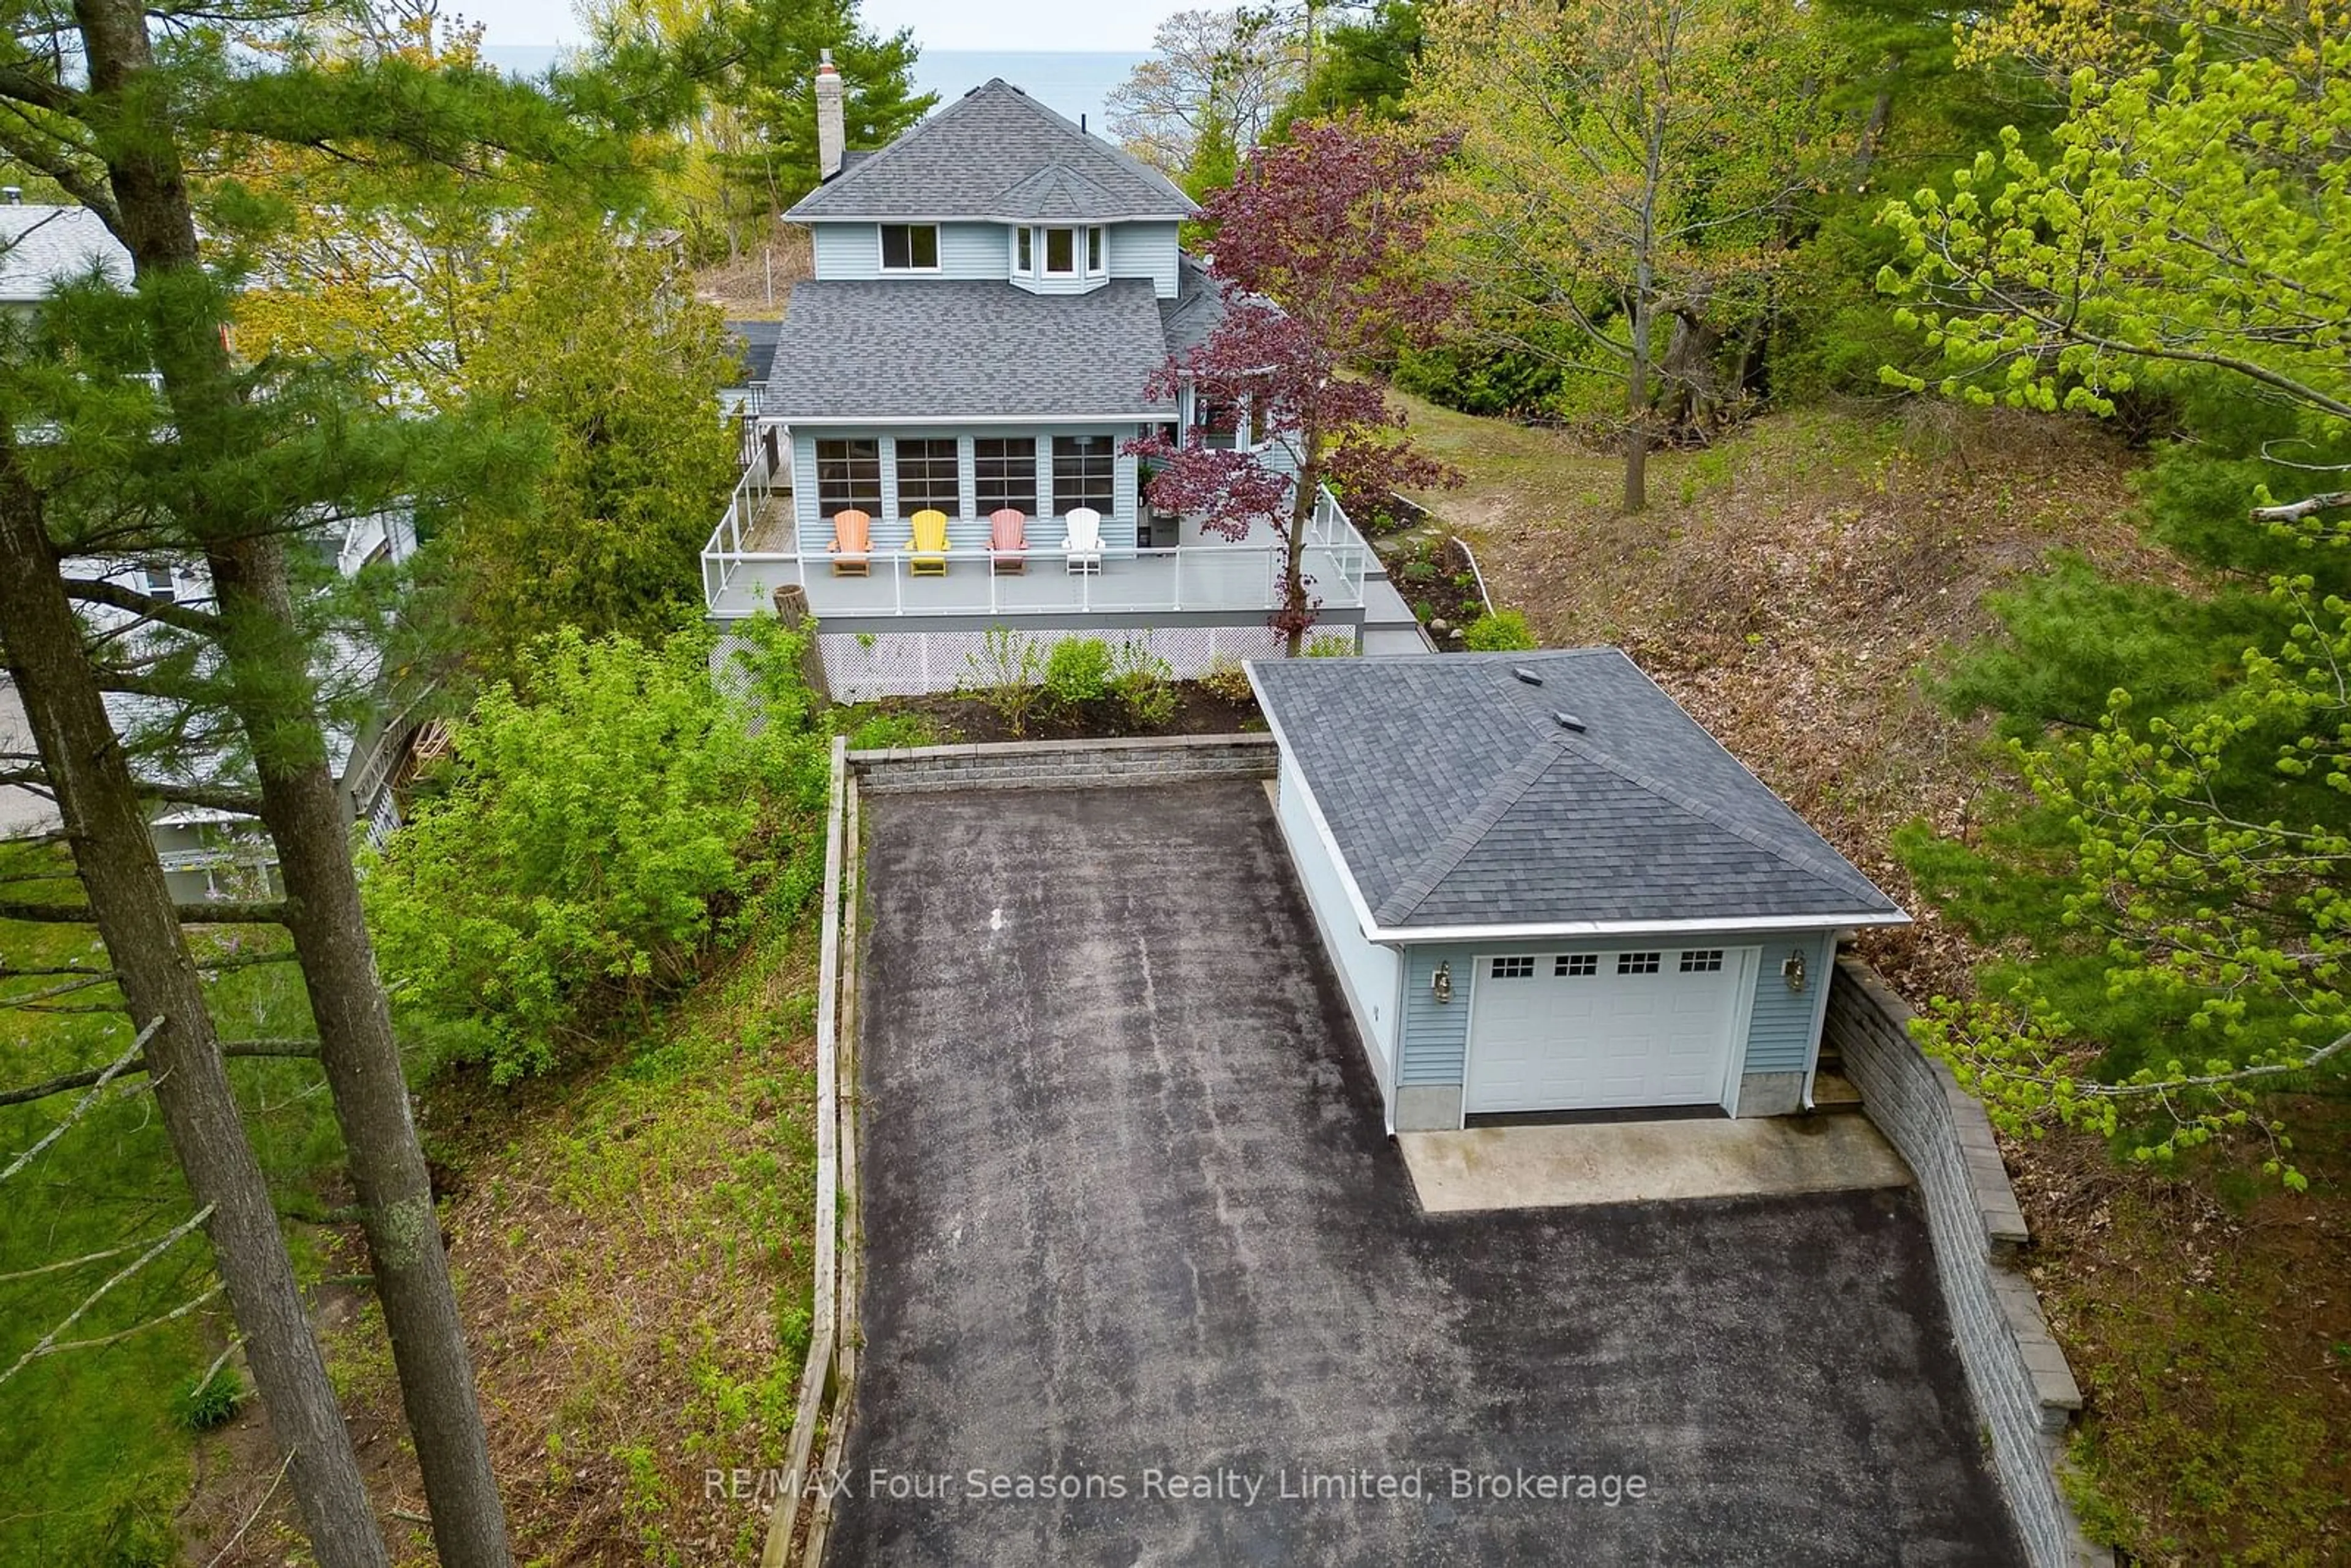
x: 272, y: 698
x: 132, y: 909
x: 1645, y: 307
x: 1296, y: 615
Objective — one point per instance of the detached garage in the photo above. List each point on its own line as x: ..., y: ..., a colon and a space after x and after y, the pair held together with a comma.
x: 1545, y: 887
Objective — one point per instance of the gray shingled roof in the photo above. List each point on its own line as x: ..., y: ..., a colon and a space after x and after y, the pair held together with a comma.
x: 1198, y: 306
x: 996, y: 152
x: 1456, y: 799
x: 41, y: 246
x: 754, y: 343
x: 900, y: 348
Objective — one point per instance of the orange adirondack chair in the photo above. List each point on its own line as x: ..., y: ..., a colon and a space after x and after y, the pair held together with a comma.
x: 852, y: 543
x: 1007, y: 537
x: 929, y: 556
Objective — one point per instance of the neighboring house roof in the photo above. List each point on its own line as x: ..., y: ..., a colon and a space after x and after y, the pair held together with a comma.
x: 755, y: 348
x: 1198, y: 306
x: 1458, y: 799
x: 996, y: 152
x: 42, y: 247
x: 900, y: 349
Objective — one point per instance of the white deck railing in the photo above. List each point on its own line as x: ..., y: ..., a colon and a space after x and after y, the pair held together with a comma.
x: 738, y: 576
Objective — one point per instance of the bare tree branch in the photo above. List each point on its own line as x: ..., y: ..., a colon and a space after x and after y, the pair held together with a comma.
x: 171, y: 612
x: 2309, y: 506
x: 292, y: 1050
x: 221, y: 912
x: 82, y: 1107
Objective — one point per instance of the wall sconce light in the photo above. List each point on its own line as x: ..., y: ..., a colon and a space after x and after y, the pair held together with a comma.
x: 1792, y: 970
x: 1440, y: 984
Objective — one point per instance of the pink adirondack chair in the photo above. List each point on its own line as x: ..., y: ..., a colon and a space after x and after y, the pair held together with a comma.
x: 1008, y: 538
x: 852, y: 543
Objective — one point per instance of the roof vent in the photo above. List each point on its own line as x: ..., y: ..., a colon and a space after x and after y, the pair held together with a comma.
x: 1521, y: 672
x: 1569, y: 722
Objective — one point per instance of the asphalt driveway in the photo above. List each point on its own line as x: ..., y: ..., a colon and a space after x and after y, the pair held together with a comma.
x: 1135, y: 1235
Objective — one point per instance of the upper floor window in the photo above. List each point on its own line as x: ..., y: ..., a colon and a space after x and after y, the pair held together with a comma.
x: 1062, y: 247
x: 930, y: 476
x: 910, y: 248
x: 848, y: 477
x: 1219, y: 424
x: 1024, y: 251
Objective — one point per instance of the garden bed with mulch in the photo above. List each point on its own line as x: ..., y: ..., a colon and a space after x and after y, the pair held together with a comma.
x: 953, y: 718
x: 1434, y: 573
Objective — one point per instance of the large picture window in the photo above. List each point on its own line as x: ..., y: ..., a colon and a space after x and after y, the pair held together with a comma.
x: 1061, y: 252
x: 910, y: 248
x: 849, y: 475
x: 1085, y: 473
x: 929, y: 478
x: 1003, y: 473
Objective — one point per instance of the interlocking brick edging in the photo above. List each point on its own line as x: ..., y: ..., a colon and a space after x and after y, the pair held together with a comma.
x: 1060, y: 764
x: 2024, y: 1390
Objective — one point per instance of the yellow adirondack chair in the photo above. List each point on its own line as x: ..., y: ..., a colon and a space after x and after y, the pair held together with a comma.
x: 929, y: 556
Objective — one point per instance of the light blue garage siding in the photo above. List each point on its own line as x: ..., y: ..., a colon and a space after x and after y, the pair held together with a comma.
x: 1778, y: 1039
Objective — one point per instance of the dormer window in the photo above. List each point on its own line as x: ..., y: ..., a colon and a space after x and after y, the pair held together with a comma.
x: 1062, y: 247
x: 1024, y: 251
x: 910, y: 248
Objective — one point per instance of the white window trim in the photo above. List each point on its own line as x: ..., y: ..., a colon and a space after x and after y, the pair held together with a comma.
x: 1089, y: 232
x: 1045, y: 252
x: 882, y: 255
x: 1018, y: 234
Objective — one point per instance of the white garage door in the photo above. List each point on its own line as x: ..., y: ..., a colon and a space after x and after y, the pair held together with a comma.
x: 1578, y: 1031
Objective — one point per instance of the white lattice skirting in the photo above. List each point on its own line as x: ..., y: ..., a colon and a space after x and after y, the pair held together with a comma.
x: 911, y: 664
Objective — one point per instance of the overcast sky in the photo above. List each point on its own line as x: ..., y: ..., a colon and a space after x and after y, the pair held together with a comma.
x: 938, y: 24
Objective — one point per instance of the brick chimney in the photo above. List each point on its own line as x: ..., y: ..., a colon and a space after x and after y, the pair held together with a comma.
x: 832, y: 136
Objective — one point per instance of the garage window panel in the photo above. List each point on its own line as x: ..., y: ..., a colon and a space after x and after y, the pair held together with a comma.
x: 1512, y: 968
x: 1637, y: 963
x: 1701, y: 960
x: 1575, y: 965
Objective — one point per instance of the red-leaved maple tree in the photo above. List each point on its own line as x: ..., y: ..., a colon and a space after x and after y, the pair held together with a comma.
x: 1317, y: 250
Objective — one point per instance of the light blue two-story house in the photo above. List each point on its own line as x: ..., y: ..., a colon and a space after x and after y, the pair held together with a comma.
x: 993, y: 293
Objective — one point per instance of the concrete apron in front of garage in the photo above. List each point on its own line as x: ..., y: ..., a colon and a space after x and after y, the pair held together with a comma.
x: 1556, y: 1165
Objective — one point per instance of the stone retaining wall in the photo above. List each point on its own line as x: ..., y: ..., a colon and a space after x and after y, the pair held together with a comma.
x: 2024, y: 1392
x: 1062, y: 764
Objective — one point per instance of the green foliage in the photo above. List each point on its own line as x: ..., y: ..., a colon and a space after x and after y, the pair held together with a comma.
x: 1362, y: 65
x: 94, y: 1458
x: 1078, y: 672
x: 2209, y: 854
x: 594, y: 353
x: 1142, y: 684
x: 603, y: 820
x: 2187, y: 220
x: 1007, y: 675
x: 2203, y: 1444
x: 1227, y: 681
x: 213, y: 1401
x: 1503, y: 631
x: 1331, y: 645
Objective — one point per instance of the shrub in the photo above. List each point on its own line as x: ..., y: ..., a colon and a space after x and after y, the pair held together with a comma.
x: 1228, y: 682
x: 1140, y: 680
x: 1007, y: 673
x: 1499, y: 631
x: 595, y: 838
x: 1331, y: 645
x: 1078, y: 672
x: 212, y: 1402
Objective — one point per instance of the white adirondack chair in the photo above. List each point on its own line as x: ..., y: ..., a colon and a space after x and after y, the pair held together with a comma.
x: 1085, y: 545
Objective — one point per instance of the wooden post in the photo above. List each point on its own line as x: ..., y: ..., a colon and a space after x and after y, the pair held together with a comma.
x: 792, y: 610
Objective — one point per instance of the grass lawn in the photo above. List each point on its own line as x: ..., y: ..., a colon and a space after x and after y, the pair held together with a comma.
x: 1788, y: 585
x: 632, y: 1245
